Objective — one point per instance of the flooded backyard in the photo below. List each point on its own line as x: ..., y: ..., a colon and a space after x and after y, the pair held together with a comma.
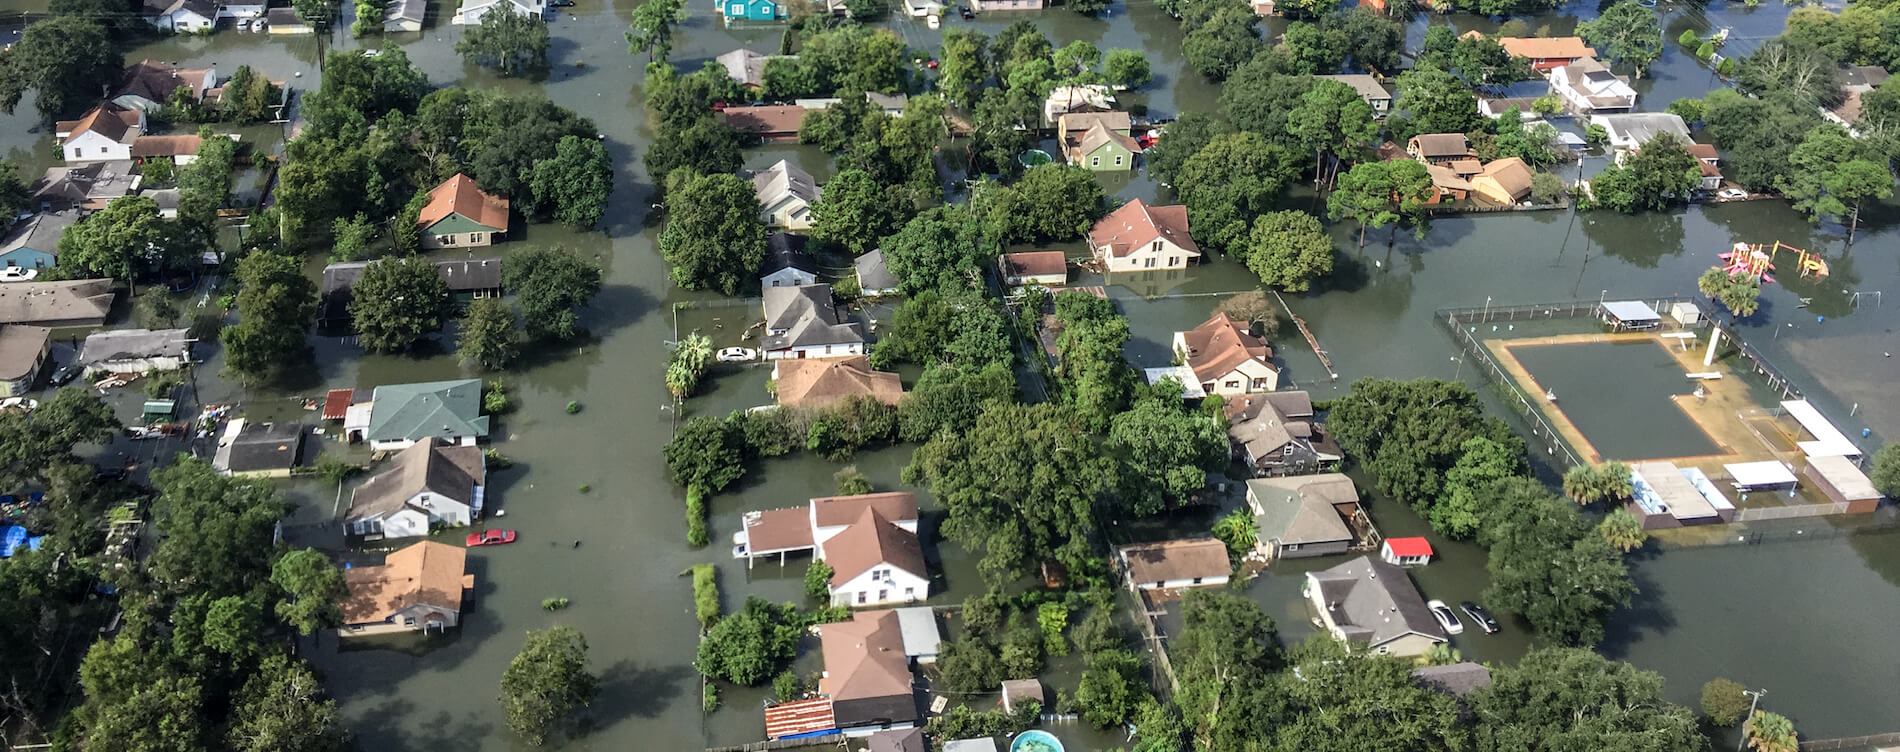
x: 601, y: 524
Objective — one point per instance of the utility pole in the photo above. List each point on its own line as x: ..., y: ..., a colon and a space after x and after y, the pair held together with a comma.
x: 1756, y: 694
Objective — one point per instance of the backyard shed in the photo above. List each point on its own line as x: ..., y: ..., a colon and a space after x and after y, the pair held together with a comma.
x: 1017, y: 691
x: 1840, y: 480
x: 1174, y: 564
x: 1627, y: 315
x: 918, y: 624
x: 805, y: 718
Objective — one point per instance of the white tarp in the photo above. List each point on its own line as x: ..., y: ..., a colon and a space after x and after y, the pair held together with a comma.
x: 1766, y: 474
x: 1631, y: 311
x: 1828, y: 440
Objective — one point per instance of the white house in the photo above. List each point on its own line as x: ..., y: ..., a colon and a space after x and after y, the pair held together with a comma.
x: 786, y: 263
x: 182, y: 15
x: 1588, y: 86
x: 430, y: 483
x: 1176, y: 564
x: 1066, y: 99
x: 1629, y: 131
x: 1406, y: 552
x: 136, y: 350
x: 472, y: 10
x: 104, y: 134
x: 803, y: 322
x: 874, y: 562
x: 785, y: 195
x: 400, y: 415
x: 1139, y: 237
x: 1226, y: 358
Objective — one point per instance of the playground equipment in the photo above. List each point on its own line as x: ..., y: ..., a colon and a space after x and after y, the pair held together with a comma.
x: 1756, y: 260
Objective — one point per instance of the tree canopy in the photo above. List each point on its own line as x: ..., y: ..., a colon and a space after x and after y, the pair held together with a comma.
x: 399, y: 301
x: 1289, y: 249
x: 275, y: 305
x: 62, y: 60
x: 713, y: 239
x: 547, y: 682
x: 507, y: 40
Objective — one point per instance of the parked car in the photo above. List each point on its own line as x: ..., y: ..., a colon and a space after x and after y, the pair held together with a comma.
x: 964, y: 10
x: 490, y: 538
x: 1732, y: 193
x: 1480, y: 617
x: 736, y: 354
x: 18, y: 274
x: 244, y: 24
x: 66, y: 373
x: 561, y: 3
x: 1445, y: 617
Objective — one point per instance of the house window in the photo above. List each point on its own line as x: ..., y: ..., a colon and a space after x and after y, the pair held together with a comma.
x: 827, y: 349
x: 1149, y: 262
x: 1097, y: 161
x: 1157, y: 246
x: 446, y: 239
x: 1157, y: 585
x: 883, y: 595
x: 1259, y: 383
x: 910, y: 592
x: 408, y: 621
x: 1174, y: 261
x: 861, y: 597
x: 1197, y: 580
x: 1232, y: 384
x: 475, y: 237
x: 1291, y: 547
x: 1118, y: 160
x: 102, y: 150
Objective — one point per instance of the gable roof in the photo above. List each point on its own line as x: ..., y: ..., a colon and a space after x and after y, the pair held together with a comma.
x: 89, y: 185
x: 1640, y: 127
x: 1033, y: 264
x: 169, y: 145
x: 460, y: 196
x: 872, y: 273
x: 20, y: 349
x: 1368, y: 86
x: 873, y: 541
x: 205, y: 9
x: 816, y: 382
x: 1099, y: 136
x: 807, y: 316
x: 1446, y: 179
x: 832, y: 511
x: 1220, y: 344
x: 864, y: 658
x: 428, y: 465
x: 1546, y: 48
x: 896, y: 740
x: 413, y: 412
x: 40, y: 233
x: 1298, y: 509
x: 461, y: 275
x: 265, y: 446
x: 1374, y: 601
x: 765, y: 119
x: 1440, y: 145
x: 1457, y: 679
x: 748, y: 67
x: 1264, y: 422
x: 1114, y: 120
x: 784, y: 180
x: 70, y: 300
x: 1136, y: 224
x: 784, y: 250
x: 109, y: 119
x: 151, y: 80
x: 427, y: 573
x: 1186, y: 559
x: 1511, y: 174
x: 124, y: 344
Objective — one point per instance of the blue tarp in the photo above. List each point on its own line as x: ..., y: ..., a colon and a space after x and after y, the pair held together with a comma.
x: 12, y: 537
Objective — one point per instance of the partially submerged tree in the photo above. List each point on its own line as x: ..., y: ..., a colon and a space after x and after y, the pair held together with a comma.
x: 546, y: 683
x: 399, y: 301
x: 507, y: 40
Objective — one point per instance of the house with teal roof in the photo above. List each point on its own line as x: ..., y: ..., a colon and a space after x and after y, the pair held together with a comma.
x: 751, y: 10
x: 399, y: 415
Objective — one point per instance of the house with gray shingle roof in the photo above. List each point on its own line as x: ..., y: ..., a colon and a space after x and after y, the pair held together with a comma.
x: 803, y: 322
x: 399, y: 415
x: 427, y: 484
x: 1373, y: 605
x: 1303, y: 515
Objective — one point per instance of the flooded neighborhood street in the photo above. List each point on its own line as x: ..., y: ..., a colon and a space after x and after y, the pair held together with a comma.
x: 602, y: 525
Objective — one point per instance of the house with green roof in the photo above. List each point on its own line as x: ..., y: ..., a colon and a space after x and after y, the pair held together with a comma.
x: 399, y: 415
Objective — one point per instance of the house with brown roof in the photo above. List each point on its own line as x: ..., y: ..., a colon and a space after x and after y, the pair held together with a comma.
x: 431, y: 483
x: 104, y: 134
x: 149, y: 85
x: 77, y: 302
x: 1101, y: 149
x: 819, y: 382
x: 1140, y: 237
x: 771, y: 122
x: 180, y: 148
x: 747, y: 67
x: 1447, y: 184
x: 416, y: 589
x: 1046, y: 268
x: 1710, y: 163
x: 1226, y: 358
x: 1440, y: 148
x: 1545, y: 53
x: 1503, y: 182
x: 460, y: 214
x: 23, y: 350
x: 866, y: 674
x: 1274, y: 432
x: 1304, y: 515
x: 1175, y: 564
x: 874, y: 562
x: 1072, y: 125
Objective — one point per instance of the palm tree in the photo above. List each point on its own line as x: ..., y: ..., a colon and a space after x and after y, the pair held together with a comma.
x: 1740, y: 293
x: 1588, y: 485
x: 1238, y: 530
x: 1622, y: 530
x: 690, y: 358
x: 1771, y: 732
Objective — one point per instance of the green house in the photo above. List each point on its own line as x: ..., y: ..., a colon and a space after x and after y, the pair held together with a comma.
x: 1104, y: 150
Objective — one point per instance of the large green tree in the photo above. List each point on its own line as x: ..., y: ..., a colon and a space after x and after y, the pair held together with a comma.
x: 1165, y: 449
x: 1343, y: 701
x: 1567, y: 698
x: 124, y: 241
x: 1225, y: 656
x: 854, y: 212
x: 1548, y: 565
x: 1289, y: 249
x: 750, y: 647
x: 550, y: 285
x: 706, y: 453
x: 282, y: 708
x: 1627, y: 33
x: 275, y: 305
x: 312, y: 588
x: 1834, y: 173
x: 1021, y: 486
x: 1180, y: 141
x: 713, y: 239
x: 489, y: 336
x: 399, y: 301
x: 1408, y: 433
x: 547, y: 683
x: 1457, y: 513
x: 1886, y: 471
x: 506, y: 40
x: 1111, y: 688
x: 573, y: 187
x: 939, y: 249
x: 1660, y: 173
x: 1052, y: 202
x: 1236, y: 178
x: 63, y: 60
x: 652, y: 28
x: 1435, y: 101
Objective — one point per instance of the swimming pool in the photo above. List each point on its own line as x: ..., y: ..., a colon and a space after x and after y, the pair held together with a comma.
x: 1035, y: 741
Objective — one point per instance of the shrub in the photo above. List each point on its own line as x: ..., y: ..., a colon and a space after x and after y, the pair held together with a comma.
x: 1688, y: 38
x: 573, y: 407
x: 553, y: 604
x: 851, y: 481
x: 697, y: 534
x: 495, y: 398
x: 785, y: 687
x: 1723, y: 702
x: 818, y: 581
x: 709, y: 697
x: 706, y: 594
x: 1053, y: 618
x: 496, y: 460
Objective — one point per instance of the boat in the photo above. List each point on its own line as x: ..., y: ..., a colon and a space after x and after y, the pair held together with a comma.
x: 736, y: 354
x: 933, y: 21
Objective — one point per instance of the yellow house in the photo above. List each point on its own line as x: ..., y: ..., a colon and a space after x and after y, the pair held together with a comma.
x: 1138, y: 237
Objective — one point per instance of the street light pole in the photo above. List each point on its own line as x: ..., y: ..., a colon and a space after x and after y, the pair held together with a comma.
x: 1756, y: 695
x: 1487, y: 309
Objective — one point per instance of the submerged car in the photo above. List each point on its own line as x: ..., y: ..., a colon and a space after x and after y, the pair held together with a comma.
x: 1480, y: 617
x: 1445, y: 617
x: 490, y: 538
